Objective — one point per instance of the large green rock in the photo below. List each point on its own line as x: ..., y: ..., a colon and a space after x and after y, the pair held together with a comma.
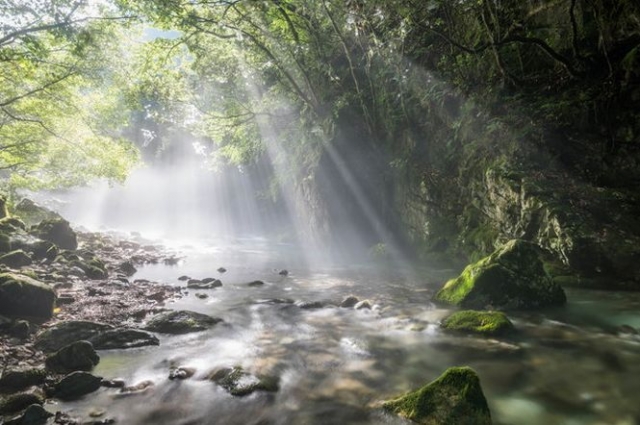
x: 512, y: 277
x: 57, y: 231
x: 481, y: 322
x: 455, y: 398
x: 22, y: 296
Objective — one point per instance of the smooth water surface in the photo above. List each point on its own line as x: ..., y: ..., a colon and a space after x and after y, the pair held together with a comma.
x: 565, y: 366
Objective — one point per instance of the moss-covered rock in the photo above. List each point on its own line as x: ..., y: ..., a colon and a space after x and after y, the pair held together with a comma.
x: 22, y: 296
x: 19, y: 379
x: 65, y: 333
x: 240, y: 383
x: 16, y: 259
x: 455, y: 398
x: 75, y: 385
x: 33, y: 213
x: 57, y: 231
x: 11, y: 225
x: 79, y: 355
x: 16, y: 402
x: 181, y: 322
x: 481, y: 322
x: 510, y: 278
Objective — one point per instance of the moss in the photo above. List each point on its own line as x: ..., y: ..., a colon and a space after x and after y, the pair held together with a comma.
x: 455, y: 398
x: 483, y: 322
x: 512, y: 277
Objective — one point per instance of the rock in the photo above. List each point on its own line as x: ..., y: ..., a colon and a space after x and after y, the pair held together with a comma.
x: 3, y: 207
x: 255, y: 283
x: 22, y: 296
x: 309, y: 305
x: 33, y: 415
x: 19, y: 379
x: 283, y: 272
x: 127, y: 268
x: 16, y: 402
x: 20, y: 329
x: 33, y: 213
x: 57, y: 231
x: 92, y: 266
x: 183, y: 278
x: 139, y: 388
x: 221, y: 270
x: 113, y: 383
x: 482, y: 322
x: 79, y: 355
x: 454, y: 398
x: 180, y: 322
x: 65, y: 333
x: 11, y: 225
x: 204, y: 284
x: 75, y: 385
x: 16, y: 259
x: 510, y: 278
x: 5, y: 242
x: 349, y: 302
x: 181, y: 373
x: 122, y: 339
x: 241, y: 383
x: 364, y: 304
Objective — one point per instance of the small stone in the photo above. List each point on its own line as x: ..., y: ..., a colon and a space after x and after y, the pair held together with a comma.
x: 283, y: 272
x: 180, y: 322
x: 309, y: 305
x: 202, y: 296
x: 181, y: 373
x: 184, y: 277
x: 255, y: 283
x: 221, y: 270
x: 364, y: 304
x: 113, y: 383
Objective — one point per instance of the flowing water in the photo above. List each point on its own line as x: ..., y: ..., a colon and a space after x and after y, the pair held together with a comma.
x: 563, y: 366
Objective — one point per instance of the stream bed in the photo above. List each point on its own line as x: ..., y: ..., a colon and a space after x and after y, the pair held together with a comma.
x: 575, y: 365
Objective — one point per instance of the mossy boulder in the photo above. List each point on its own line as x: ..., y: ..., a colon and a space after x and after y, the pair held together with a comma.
x: 65, y: 333
x: 79, y: 355
x: 16, y: 402
x: 512, y: 277
x: 11, y: 225
x: 481, y: 322
x: 32, y: 213
x: 22, y: 296
x: 75, y: 385
x: 16, y: 259
x: 455, y: 398
x: 57, y: 231
x: 19, y: 379
x: 181, y: 322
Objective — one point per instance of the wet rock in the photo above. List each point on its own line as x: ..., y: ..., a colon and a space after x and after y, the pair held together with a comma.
x: 481, y: 322
x: 180, y: 322
x: 202, y: 296
x: 21, y: 329
x: 57, y: 231
x: 221, y: 270
x: 309, y: 305
x: 364, y: 304
x: 275, y: 301
x: 32, y: 213
x: 349, y: 302
x: 181, y: 373
x: 79, y: 355
x: 92, y: 266
x: 11, y: 225
x: 238, y: 382
x: 19, y: 379
x: 139, y: 388
x: 16, y: 402
x: 65, y: 299
x: 511, y: 278
x: 208, y: 283
x: 183, y: 278
x: 122, y: 339
x: 456, y: 397
x: 127, y: 268
x: 75, y: 385
x: 284, y: 272
x: 113, y: 383
x: 16, y: 259
x: 23, y: 296
x: 255, y: 283
x: 33, y: 415
x: 65, y: 333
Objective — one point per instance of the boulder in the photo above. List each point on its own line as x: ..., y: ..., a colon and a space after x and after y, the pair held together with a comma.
x: 19, y: 379
x: 65, y: 333
x: 122, y: 338
x: 181, y: 322
x: 57, y: 231
x: 16, y: 259
x: 33, y: 213
x: 12, y: 225
x: 79, y: 355
x: 207, y: 283
x: 481, y: 322
x: 16, y: 402
x: 127, y: 268
x: 22, y: 296
x: 75, y: 385
x: 239, y: 383
x: 349, y: 302
x: 33, y: 415
x: 454, y: 398
x: 512, y: 277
